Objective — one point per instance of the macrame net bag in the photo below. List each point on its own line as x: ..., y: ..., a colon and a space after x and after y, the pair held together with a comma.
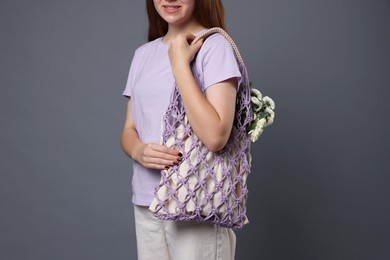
x: 206, y: 186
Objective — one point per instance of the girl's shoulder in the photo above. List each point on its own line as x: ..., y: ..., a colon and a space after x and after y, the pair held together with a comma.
x: 146, y: 47
x: 216, y: 45
x: 216, y: 38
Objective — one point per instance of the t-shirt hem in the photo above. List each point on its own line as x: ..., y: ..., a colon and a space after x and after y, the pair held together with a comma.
x: 139, y: 202
x: 221, y: 79
x: 126, y: 93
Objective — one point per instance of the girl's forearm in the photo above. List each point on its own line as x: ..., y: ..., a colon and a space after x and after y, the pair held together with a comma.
x: 130, y: 142
x: 203, y: 118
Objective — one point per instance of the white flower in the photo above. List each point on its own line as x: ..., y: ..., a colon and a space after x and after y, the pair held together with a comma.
x: 263, y: 113
x: 270, y: 112
x: 257, y: 93
x: 258, y: 130
x: 269, y: 100
x: 256, y: 101
x: 255, y: 133
x: 261, y: 123
x: 270, y: 120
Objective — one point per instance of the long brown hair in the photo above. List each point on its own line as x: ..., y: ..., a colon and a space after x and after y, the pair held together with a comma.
x: 209, y: 13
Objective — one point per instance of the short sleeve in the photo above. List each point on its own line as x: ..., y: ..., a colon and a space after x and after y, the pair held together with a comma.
x: 217, y: 61
x: 132, y: 74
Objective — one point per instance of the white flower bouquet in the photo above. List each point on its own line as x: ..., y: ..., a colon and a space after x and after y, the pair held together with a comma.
x: 263, y: 113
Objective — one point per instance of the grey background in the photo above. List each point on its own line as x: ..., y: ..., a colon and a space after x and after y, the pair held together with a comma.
x: 320, y: 173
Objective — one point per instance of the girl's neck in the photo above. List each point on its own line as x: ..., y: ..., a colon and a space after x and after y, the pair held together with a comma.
x: 188, y: 28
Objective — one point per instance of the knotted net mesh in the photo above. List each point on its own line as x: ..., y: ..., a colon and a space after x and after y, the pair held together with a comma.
x: 206, y: 186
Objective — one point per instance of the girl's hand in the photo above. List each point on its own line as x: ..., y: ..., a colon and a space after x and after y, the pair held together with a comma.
x: 156, y: 156
x: 181, y: 52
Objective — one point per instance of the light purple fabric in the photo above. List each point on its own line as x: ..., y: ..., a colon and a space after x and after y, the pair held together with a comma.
x: 211, y: 186
x: 150, y: 84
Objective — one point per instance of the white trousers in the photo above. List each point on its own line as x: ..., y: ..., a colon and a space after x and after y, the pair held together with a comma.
x: 174, y: 240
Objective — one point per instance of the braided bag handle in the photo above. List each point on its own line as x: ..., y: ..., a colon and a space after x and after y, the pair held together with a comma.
x: 213, y: 30
x: 206, y: 186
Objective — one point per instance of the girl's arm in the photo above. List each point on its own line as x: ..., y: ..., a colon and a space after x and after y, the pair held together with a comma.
x: 210, y: 116
x: 148, y: 155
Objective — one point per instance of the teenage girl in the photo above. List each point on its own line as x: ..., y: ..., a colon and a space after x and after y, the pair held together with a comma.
x: 209, y: 105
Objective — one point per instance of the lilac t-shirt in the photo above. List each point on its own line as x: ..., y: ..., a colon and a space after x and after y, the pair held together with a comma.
x: 150, y: 84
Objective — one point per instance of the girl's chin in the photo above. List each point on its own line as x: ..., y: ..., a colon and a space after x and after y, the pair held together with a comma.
x: 173, y: 21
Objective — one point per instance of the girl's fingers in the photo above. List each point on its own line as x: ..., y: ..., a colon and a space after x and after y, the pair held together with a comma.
x: 160, y: 156
x: 166, y: 150
x: 156, y: 166
x: 197, y: 45
x: 190, y: 38
x: 158, y: 161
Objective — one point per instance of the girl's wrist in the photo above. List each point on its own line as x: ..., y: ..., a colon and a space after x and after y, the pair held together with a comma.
x: 180, y: 69
x: 135, y: 151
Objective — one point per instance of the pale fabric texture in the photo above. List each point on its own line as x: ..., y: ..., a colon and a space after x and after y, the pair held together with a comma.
x: 206, y: 185
x: 175, y: 240
x: 150, y: 84
x: 192, y: 185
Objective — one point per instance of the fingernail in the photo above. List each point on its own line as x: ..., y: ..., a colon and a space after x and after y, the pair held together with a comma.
x: 179, y: 159
x: 167, y: 167
x: 180, y: 154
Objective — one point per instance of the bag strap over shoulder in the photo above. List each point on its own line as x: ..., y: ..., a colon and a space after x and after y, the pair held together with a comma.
x: 213, y: 30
